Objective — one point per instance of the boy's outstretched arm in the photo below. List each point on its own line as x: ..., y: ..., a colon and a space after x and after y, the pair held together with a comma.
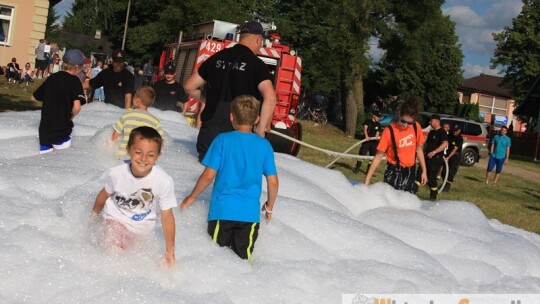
x: 272, y: 185
x: 100, y: 201
x: 167, y: 221
x: 114, y: 135
x: 204, y: 180
x: 98, y: 206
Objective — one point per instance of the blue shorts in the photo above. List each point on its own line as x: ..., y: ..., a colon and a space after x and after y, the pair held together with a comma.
x: 498, y: 162
x: 64, y: 144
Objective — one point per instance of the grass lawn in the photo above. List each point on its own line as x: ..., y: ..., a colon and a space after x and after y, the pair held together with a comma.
x: 16, y: 97
x: 514, y: 200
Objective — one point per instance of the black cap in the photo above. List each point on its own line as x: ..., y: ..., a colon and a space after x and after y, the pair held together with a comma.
x: 456, y: 127
x: 252, y: 27
x: 118, y: 56
x: 376, y: 113
x: 170, y: 69
x: 435, y: 116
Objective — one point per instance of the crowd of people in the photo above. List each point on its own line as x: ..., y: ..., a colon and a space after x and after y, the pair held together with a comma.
x: 406, y: 150
x: 238, y: 108
x: 137, y: 190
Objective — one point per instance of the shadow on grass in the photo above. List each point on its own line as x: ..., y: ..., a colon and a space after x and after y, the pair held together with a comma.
x: 473, y: 179
x: 536, y: 196
x: 342, y: 165
x: 15, y: 103
x: 531, y: 208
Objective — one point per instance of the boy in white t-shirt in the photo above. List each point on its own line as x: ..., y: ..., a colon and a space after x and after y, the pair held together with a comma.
x: 134, y: 192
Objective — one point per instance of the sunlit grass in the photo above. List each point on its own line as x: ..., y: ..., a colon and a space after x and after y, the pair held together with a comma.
x: 514, y: 200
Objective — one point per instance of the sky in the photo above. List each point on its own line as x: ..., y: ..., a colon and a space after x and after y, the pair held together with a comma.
x: 475, y: 20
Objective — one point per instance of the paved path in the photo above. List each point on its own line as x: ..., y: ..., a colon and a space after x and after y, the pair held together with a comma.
x: 515, y: 170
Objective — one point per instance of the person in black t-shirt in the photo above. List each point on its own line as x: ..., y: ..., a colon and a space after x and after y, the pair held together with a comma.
x: 13, y: 71
x: 372, y: 128
x: 170, y: 95
x: 436, y: 142
x: 455, y: 142
x: 62, y: 95
x: 117, y: 82
x: 229, y: 73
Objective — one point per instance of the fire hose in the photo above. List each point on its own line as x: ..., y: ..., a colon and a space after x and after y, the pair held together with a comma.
x: 345, y: 154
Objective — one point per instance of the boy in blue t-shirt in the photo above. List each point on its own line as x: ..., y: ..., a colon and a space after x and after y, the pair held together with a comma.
x: 499, y: 154
x: 238, y: 160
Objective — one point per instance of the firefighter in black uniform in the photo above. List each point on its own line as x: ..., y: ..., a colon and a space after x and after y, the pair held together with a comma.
x: 227, y: 74
x: 372, y: 128
x: 436, y: 142
x: 455, y: 142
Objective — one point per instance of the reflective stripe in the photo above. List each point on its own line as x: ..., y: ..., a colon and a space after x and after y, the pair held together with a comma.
x: 216, y: 230
x: 434, y: 188
x: 250, y: 240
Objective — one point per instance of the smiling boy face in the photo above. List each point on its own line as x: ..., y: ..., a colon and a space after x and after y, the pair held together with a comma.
x: 144, y: 154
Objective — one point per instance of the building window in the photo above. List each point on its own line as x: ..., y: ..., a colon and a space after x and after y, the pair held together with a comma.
x: 493, y: 105
x: 6, y: 17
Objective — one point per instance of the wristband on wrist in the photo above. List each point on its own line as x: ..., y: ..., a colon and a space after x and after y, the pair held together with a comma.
x: 266, y: 209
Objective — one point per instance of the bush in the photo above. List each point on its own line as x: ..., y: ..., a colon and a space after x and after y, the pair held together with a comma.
x: 468, y: 111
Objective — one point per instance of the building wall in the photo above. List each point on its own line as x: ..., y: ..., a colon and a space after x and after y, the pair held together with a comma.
x: 29, y: 19
x: 510, y: 106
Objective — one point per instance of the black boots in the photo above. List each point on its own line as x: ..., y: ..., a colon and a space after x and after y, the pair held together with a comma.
x: 432, y: 195
x: 357, y: 168
x: 415, y: 187
x: 447, y: 187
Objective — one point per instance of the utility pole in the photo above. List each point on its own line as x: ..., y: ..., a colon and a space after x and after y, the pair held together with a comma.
x: 126, y: 25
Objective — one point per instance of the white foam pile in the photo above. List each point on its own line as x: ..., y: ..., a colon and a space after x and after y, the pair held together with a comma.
x: 327, y: 237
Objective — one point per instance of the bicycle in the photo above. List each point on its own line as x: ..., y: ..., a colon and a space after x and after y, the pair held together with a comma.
x: 315, y: 114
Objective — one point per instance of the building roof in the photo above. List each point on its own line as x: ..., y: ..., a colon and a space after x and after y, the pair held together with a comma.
x: 486, y: 84
x: 530, y: 106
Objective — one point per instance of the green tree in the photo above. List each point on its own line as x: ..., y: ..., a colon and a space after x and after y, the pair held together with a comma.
x: 422, y: 54
x: 52, y: 26
x: 332, y: 39
x: 353, y: 24
x: 305, y: 26
x: 518, y: 50
x: 153, y: 23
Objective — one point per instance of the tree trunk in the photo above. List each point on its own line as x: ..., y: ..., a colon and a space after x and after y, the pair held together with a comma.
x: 354, y: 102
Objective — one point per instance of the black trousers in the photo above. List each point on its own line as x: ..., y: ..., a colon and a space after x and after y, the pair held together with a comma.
x: 368, y: 147
x: 432, y: 166
x: 209, y: 130
x: 239, y: 236
x: 401, y: 178
x: 453, y: 166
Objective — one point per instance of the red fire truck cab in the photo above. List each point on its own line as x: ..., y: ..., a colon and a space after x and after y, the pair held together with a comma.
x: 285, y: 68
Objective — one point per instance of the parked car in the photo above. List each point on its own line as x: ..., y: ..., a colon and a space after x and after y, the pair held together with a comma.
x: 475, y: 136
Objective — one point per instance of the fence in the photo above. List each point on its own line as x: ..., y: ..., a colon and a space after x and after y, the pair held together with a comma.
x: 526, y: 145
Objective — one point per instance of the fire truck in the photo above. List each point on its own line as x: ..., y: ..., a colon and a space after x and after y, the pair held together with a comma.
x: 285, y: 67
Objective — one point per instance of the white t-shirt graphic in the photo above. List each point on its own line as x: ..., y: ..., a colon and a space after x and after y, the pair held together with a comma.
x: 135, y: 202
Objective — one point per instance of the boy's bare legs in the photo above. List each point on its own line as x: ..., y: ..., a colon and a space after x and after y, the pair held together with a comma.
x: 496, y: 178
x: 488, y: 174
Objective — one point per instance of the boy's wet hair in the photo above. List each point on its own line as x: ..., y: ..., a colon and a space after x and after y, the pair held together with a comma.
x: 245, y: 109
x: 409, y: 107
x: 148, y: 133
x: 147, y: 95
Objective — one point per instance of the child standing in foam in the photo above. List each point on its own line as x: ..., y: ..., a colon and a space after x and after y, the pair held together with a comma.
x: 144, y: 98
x: 238, y: 160
x: 134, y: 193
x: 62, y: 96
